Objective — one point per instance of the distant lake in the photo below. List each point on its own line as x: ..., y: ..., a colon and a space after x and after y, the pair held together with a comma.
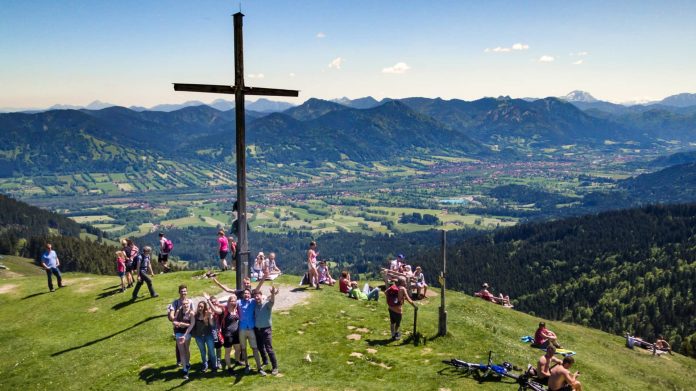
x: 455, y: 201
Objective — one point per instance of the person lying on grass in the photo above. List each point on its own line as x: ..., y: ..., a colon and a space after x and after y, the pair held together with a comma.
x: 368, y: 293
x: 485, y: 294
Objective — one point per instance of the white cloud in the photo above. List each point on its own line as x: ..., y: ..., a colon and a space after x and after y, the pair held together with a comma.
x: 579, y: 62
x: 256, y: 76
x: 399, y: 67
x: 546, y: 58
x: 500, y: 49
x: 292, y: 74
x: 579, y: 54
x: 321, y: 35
x: 336, y: 63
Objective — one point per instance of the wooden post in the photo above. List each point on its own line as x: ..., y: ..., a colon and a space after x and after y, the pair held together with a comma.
x: 416, y: 335
x: 242, y: 259
x: 442, y: 321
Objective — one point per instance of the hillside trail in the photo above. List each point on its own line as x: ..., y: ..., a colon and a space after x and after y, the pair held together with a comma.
x: 286, y: 298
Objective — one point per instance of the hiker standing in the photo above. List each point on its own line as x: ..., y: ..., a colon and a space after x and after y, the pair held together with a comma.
x: 312, y: 264
x: 263, y: 331
x: 396, y: 295
x: 166, y: 247
x: 247, y: 307
x: 171, y: 312
x: 223, y: 249
x: 131, y: 252
x: 144, y: 267
x: 50, y: 263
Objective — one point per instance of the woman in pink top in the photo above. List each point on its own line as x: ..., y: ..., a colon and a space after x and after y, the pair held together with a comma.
x: 312, y: 264
x: 224, y: 249
x: 121, y: 268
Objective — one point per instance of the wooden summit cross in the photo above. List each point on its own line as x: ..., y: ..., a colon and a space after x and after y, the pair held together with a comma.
x: 239, y: 90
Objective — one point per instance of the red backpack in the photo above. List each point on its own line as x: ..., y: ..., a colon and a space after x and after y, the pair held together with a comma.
x: 392, y: 295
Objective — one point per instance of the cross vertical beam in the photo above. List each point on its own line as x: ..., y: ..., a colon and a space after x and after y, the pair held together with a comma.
x: 442, y: 320
x: 240, y: 91
x: 242, y: 256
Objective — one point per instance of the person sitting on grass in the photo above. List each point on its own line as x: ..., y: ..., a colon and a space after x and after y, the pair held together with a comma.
x: 561, y: 379
x: 367, y: 293
x: 325, y: 274
x: 543, y: 368
x: 260, y: 264
x: 344, y: 282
x: 661, y: 344
x: 544, y: 337
x: 272, y: 265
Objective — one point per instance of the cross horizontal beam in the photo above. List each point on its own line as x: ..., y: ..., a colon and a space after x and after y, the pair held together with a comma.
x: 221, y: 89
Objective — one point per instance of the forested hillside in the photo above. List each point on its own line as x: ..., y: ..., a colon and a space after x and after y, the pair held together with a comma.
x: 622, y: 271
x: 25, y: 229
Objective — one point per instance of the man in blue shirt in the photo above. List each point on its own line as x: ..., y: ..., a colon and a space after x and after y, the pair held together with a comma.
x: 264, y: 335
x: 50, y: 263
x: 246, y: 307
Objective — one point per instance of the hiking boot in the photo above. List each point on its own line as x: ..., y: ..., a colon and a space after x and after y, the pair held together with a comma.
x: 230, y: 371
x: 274, y: 371
x: 262, y: 372
x: 52, y: 290
x: 155, y: 295
x: 397, y: 336
x: 247, y: 370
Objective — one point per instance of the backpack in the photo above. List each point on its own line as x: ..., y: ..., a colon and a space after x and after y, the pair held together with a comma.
x: 392, y: 295
x: 168, y: 246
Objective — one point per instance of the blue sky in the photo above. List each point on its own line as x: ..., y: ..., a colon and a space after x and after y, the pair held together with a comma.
x: 129, y: 52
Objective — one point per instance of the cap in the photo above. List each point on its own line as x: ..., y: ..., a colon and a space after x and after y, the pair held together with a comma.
x: 485, y: 285
x: 400, y: 256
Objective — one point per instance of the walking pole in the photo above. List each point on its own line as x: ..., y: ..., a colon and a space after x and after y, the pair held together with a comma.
x: 416, y: 336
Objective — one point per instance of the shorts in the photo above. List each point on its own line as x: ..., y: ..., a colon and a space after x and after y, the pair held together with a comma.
x: 542, y: 380
x: 247, y: 335
x: 162, y: 258
x: 129, y: 267
x: 223, y: 254
x: 231, y: 340
x: 121, y: 274
x: 567, y: 387
x: 179, y: 335
x: 395, y: 318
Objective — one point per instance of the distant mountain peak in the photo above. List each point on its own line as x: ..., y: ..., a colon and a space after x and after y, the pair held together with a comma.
x: 579, y: 96
x: 680, y: 100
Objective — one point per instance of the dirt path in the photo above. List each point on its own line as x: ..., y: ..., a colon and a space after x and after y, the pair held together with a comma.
x: 285, y: 299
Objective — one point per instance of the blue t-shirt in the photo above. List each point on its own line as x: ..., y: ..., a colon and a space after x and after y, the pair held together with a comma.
x: 246, y: 313
x: 50, y: 258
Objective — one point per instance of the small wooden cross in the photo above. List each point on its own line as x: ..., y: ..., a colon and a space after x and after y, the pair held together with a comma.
x: 240, y: 91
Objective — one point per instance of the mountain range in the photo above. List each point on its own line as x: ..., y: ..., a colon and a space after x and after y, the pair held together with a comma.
x: 113, y: 138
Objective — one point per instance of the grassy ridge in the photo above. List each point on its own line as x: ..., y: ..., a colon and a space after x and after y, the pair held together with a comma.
x: 85, y: 336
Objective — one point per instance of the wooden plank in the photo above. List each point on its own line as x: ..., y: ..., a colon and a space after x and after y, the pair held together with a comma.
x: 269, y: 91
x: 204, y: 88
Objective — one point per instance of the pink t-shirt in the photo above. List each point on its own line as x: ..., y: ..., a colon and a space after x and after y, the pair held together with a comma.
x: 224, y: 244
x: 120, y: 265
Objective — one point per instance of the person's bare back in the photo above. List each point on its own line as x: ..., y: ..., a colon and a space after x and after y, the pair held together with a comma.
x: 561, y: 379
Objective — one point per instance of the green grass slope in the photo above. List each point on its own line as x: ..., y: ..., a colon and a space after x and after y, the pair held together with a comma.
x: 86, y: 336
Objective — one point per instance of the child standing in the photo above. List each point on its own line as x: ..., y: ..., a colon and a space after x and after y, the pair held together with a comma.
x: 121, y: 268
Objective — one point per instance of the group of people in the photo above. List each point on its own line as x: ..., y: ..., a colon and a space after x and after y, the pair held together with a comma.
x: 660, y: 346
x: 555, y: 373
x: 134, y: 266
x: 485, y: 294
x: 414, y: 280
x: 243, y: 318
x: 265, y: 267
